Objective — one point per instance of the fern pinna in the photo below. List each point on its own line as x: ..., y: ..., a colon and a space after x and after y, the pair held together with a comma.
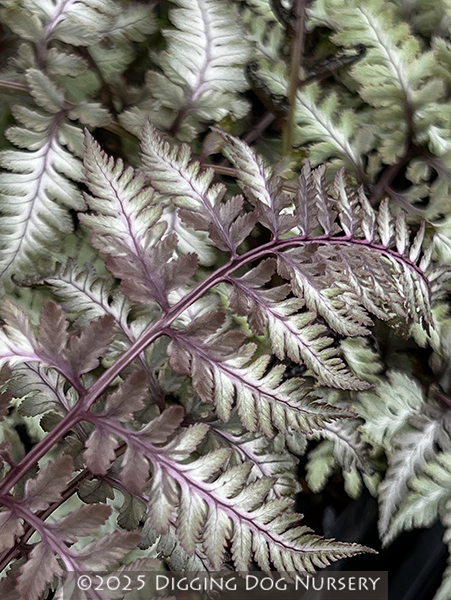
x: 170, y: 393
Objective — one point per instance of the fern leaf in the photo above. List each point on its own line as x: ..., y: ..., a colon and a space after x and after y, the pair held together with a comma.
x: 394, y: 74
x: 261, y: 7
x: 202, y: 70
x: 428, y: 496
x: 17, y: 340
x: 319, y: 296
x: 224, y: 372
x: 108, y: 549
x: 385, y: 224
x: 81, y: 23
x: 85, y: 349
x: 291, y: 333
x: 320, y: 466
x: 261, y: 184
x: 362, y: 276
x: 126, y: 206
x: 169, y: 546
x: 350, y: 450
x: 39, y: 570
x: 135, y: 471
x: 52, y: 331
x: 227, y: 508
x: 82, y: 521
x: 8, y: 585
x: 132, y: 23
x: 127, y: 229
x: 316, y: 123
x: 343, y: 447
x: 41, y: 390
x: 87, y: 295
x: 11, y: 528
x: 362, y: 359
x: 49, y: 484
x: 170, y: 172
x: 100, y: 451
x: 128, y: 398
x: 37, y: 189
x: 416, y: 446
x: 269, y: 458
x: 415, y: 249
x: 42, y: 563
x: 388, y: 408
x: 311, y: 208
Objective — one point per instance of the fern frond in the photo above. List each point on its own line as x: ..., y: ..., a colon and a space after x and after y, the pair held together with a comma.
x: 87, y: 295
x: 415, y: 446
x: 362, y: 359
x: 202, y: 70
x: 261, y: 28
x: 127, y: 228
x: 319, y: 296
x: 352, y: 257
x: 18, y: 342
x: 347, y: 450
x: 172, y: 551
x: 260, y: 183
x: 37, y: 188
x: 227, y: 508
x: 388, y: 408
x: 70, y: 354
x: 170, y: 171
x: 224, y: 372
x: 316, y: 123
x: 394, y: 74
x: 429, y: 494
x: 41, y: 390
x: 42, y: 564
x: 105, y: 27
x: 291, y: 333
x: 268, y: 457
